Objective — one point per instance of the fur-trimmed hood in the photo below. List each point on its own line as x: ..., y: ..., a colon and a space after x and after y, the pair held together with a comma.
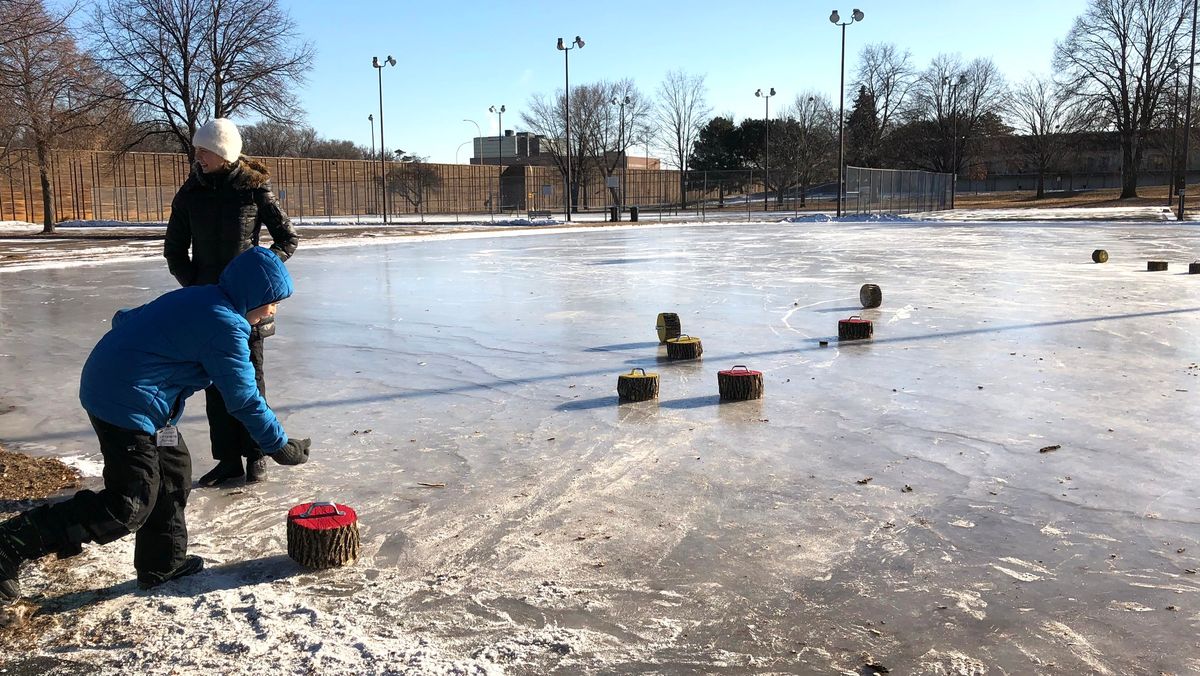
x: 246, y: 174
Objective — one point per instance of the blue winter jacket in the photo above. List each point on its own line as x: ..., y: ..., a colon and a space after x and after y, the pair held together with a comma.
x: 155, y: 356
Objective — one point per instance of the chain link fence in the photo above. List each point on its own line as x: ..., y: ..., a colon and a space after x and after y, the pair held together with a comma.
x: 139, y: 187
x: 896, y: 191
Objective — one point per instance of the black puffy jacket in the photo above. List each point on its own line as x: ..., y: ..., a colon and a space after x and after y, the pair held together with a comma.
x: 220, y: 215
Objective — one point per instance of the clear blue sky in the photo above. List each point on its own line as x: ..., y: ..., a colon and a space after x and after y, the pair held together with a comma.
x: 456, y: 58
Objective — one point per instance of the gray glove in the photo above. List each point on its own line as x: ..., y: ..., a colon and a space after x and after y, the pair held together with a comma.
x: 294, y: 452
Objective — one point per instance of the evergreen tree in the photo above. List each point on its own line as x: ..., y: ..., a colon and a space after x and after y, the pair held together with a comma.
x: 862, y: 131
x: 719, y: 159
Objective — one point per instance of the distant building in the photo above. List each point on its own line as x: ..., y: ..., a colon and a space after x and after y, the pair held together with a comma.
x: 523, y: 148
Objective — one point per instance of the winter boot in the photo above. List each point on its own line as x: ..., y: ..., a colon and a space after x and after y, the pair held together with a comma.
x: 20, y: 540
x: 191, y: 565
x: 224, y: 471
x: 10, y: 589
x: 256, y: 469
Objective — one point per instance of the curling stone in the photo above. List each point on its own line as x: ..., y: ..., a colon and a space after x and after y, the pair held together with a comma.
x: 870, y: 296
x: 668, y: 326
x: 635, y: 386
x: 322, y: 535
x: 1194, y: 268
x: 1099, y: 256
x: 740, y: 383
x: 1156, y: 266
x: 684, y: 347
x: 855, y: 328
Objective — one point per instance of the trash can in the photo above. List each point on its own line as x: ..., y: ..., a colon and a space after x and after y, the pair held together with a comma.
x: 614, y: 214
x: 633, y: 214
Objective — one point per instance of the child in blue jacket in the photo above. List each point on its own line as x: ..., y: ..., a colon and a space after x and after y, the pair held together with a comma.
x: 133, y: 388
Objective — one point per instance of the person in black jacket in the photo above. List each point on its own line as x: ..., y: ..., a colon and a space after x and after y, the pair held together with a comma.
x: 218, y: 213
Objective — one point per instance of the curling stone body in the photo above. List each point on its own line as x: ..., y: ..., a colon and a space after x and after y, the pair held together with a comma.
x: 322, y: 535
x: 740, y: 384
x: 870, y: 296
x: 1156, y: 266
x: 637, y: 385
x: 1194, y: 268
x: 1099, y: 256
x: 684, y: 347
x: 668, y: 326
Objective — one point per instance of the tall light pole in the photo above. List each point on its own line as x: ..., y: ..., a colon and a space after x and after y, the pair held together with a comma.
x: 499, y: 152
x: 1173, y: 164
x: 836, y: 20
x: 371, y: 119
x: 577, y: 42
x: 389, y: 61
x: 1187, y: 115
x: 621, y: 148
x: 766, y: 145
x: 952, y: 93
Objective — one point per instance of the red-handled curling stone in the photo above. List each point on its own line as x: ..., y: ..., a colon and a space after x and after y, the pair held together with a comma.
x: 855, y: 328
x: 322, y: 534
x: 740, y: 383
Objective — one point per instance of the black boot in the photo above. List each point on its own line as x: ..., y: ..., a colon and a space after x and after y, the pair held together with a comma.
x: 224, y: 471
x: 256, y: 469
x: 191, y: 565
x: 20, y: 540
x: 9, y: 587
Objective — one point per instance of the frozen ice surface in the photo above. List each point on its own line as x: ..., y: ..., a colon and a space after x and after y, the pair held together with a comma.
x: 886, y: 502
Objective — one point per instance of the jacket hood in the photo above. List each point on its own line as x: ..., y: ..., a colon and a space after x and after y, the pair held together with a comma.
x: 255, y: 278
x: 245, y: 174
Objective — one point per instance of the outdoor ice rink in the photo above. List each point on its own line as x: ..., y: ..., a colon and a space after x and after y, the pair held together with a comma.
x: 884, y: 504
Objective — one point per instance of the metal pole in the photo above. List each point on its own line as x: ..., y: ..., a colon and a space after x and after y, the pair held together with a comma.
x: 620, y: 156
x: 567, y: 104
x: 767, y: 156
x: 624, y: 157
x: 371, y: 119
x: 1174, y: 163
x: 841, y: 127
x: 953, y: 142
x: 1187, y: 115
x: 382, y: 149
x: 500, y: 159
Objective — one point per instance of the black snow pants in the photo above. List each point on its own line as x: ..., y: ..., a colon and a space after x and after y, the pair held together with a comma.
x: 229, y: 438
x: 145, y: 492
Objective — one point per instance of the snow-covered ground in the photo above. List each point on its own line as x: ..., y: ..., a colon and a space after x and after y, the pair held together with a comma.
x: 1001, y: 481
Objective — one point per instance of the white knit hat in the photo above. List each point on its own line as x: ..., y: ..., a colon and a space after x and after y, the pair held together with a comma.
x: 221, y: 137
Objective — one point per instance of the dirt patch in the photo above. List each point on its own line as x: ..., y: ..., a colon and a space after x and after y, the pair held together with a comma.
x: 24, y: 480
x: 27, y: 478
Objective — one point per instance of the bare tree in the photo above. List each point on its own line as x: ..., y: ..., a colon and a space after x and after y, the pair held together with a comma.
x: 19, y: 20
x: 256, y: 58
x: 1118, y: 56
x: 413, y: 179
x: 953, y: 104
x: 887, y: 75
x: 270, y: 139
x: 589, y: 118
x: 1048, y: 116
x: 23, y: 19
x: 681, y: 113
x: 56, y: 92
x: 816, y: 143
x: 185, y: 61
x: 625, y: 123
